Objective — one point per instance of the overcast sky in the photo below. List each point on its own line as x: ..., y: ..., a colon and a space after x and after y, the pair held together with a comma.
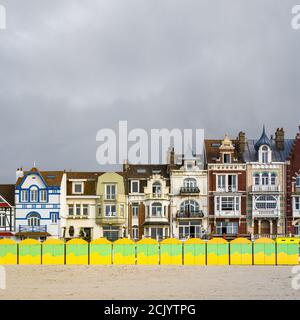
x: 70, y: 67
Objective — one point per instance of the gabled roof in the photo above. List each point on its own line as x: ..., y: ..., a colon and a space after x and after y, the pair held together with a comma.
x: 90, y: 185
x: 51, y: 178
x: 212, y: 150
x: 7, y: 192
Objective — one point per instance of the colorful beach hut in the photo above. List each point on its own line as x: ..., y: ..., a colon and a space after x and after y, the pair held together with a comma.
x: 287, y: 251
x: 241, y: 252
x: 171, y: 251
x: 77, y: 252
x: 124, y: 251
x: 30, y: 252
x: 53, y: 252
x: 8, y: 251
x: 147, y: 252
x: 217, y: 252
x: 264, y: 251
x: 100, y: 252
x: 194, y: 252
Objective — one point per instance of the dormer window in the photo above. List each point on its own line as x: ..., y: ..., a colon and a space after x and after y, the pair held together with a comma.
x: 156, y: 188
x: 265, y: 154
x: 226, y: 158
x: 78, y: 187
x: 135, y: 186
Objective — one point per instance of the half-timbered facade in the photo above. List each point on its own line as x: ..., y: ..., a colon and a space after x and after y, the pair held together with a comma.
x: 7, y: 210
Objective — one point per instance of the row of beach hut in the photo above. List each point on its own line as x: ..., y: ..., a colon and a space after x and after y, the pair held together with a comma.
x: 241, y: 251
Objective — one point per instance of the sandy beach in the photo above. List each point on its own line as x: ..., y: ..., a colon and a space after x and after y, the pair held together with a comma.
x: 149, y: 282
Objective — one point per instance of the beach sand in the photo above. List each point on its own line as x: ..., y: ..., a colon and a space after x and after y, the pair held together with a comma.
x: 149, y: 282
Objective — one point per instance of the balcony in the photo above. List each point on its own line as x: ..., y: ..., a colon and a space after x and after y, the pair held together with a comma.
x: 189, y: 190
x: 156, y: 196
x: 265, y: 213
x: 26, y: 228
x: 265, y: 188
x: 110, y: 220
x: 227, y: 189
x: 190, y: 215
x: 228, y: 213
x: 157, y: 219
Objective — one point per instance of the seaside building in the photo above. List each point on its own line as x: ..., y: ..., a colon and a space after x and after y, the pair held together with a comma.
x: 293, y: 188
x: 148, y: 189
x: 38, y: 203
x: 189, y: 218
x: 266, y: 176
x: 112, y: 206
x: 226, y: 187
x: 80, y: 206
x: 7, y: 210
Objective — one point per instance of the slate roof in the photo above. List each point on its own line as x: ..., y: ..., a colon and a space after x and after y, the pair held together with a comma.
x: 51, y: 178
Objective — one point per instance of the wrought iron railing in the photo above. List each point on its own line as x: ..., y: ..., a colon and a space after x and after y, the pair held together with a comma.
x: 184, y: 190
x: 190, y: 214
x: 25, y: 228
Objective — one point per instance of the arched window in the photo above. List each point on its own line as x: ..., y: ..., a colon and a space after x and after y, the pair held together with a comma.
x: 189, y: 206
x: 33, y: 219
x: 265, y: 154
x: 190, y: 183
x: 256, y: 179
x: 156, y: 188
x: 33, y: 194
x: 265, y: 179
x: 273, y: 179
x: 265, y: 202
x: 156, y: 209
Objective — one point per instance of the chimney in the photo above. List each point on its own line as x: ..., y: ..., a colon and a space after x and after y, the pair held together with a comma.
x: 171, y: 156
x: 242, y: 141
x: 125, y: 166
x: 279, y: 139
x: 19, y: 173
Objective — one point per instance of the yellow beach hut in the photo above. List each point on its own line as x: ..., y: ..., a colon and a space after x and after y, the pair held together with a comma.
x: 194, y: 252
x: 100, y: 252
x: 147, y: 252
x: 53, y: 252
x: 77, y: 252
x: 217, y: 252
x: 264, y: 251
x: 171, y: 251
x: 30, y: 252
x: 241, y: 252
x: 8, y: 251
x: 287, y: 251
x: 124, y: 251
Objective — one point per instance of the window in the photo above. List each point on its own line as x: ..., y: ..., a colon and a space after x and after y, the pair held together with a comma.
x: 273, y: 179
x: 221, y: 182
x: 135, y: 186
x: 297, y: 203
x: 157, y: 233
x: 265, y: 179
x: 135, y: 233
x: 78, y: 187
x: 256, y: 179
x: 33, y: 220
x: 298, y: 182
x: 190, y: 230
x: 156, y: 188
x: 85, y: 209
x: 43, y: 196
x: 190, y: 183
x: 135, y: 210
x: 110, y: 192
x: 2, y: 220
x: 189, y: 206
x: 265, y: 154
x: 156, y: 209
x: 71, y: 210
x: 110, y: 210
x: 24, y: 196
x: 226, y: 158
x: 78, y: 209
x: 265, y: 202
x: 232, y: 185
x: 227, y: 204
x: 54, y: 217
x: 227, y: 227
x: 33, y: 195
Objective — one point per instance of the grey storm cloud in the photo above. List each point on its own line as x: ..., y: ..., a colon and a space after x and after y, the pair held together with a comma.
x: 70, y: 67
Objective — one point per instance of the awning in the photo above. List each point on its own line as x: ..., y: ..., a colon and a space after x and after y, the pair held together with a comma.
x: 33, y: 234
x: 6, y: 234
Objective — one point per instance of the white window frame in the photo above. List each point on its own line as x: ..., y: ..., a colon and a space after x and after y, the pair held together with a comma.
x: 223, y: 182
x: 111, y: 213
x: 2, y: 220
x: 85, y: 207
x: 34, y: 194
x: 74, y: 184
x: 110, y: 196
x: 135, y: 206
x: 157, y: 205
x: 24, y: 195
x: 267, y: 202
x: 54, y: 217
x: 71, y: 208
x: 43, y: 195
x: 138, y: 186
x: 297, y: 183
x: 296, y: 203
